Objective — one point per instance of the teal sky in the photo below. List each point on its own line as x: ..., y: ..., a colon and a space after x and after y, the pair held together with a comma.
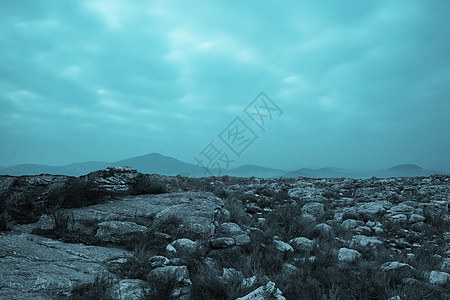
x: 362, y: 84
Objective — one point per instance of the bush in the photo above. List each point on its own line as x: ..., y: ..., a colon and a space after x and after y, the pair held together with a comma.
x: 5, y: 221
x: 96, y: 290
x: 76, y: 193
x: 143, y: 184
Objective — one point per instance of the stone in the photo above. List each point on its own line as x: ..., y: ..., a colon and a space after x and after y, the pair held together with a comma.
x: 401, y: 208
x: 395, y: 265
x: 221, y: 242
x: 398, y: 217
x: 241, y: 239
x: 348, y: 255
x: 349, y: 224
x: 48, y: 265
x: 415, y: 218
x: 324, y: 230
x: 230, y: 229
x: 184, y: 245
x: 314, y: 209
x: 373, y: 208
x: 269, y: 291
x: 364, y: 241
x: 158, y: 261
x: 129, y: 289
x: 439, y: 278
x: 282, y: 246
x: 301, y: 244
x: 178, y: 275
x: 118, y: 231
x: 445, y: 265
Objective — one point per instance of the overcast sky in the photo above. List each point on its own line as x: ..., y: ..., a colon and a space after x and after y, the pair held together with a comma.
x: 361, y: 84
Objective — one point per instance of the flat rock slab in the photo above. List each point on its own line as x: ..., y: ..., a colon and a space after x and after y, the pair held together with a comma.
x: 34, y: 267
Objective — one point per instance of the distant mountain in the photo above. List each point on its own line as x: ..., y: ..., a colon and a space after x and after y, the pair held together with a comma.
x: 156, y: 163
x: 329, y: 172
x: 32, y: 169
x: 255, y: 170
x: 153, y: 163
x: 160, y: 164
x: 407, y: 170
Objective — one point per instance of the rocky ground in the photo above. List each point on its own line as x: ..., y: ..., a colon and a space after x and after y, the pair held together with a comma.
x: 118, y: 234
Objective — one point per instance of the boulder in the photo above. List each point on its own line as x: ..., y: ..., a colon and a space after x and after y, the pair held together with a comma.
x: 158, y: 261
x: 184, y: 245
x: 415, y: 218
x: 241, y: 239
x: 301, y: 244
x: 349, y: 224
x: 395, y: 265
x: 118, y: 231
x: 282, y: 246
x: 267, y: 292
x: 314, y: 209
x: 221, y: 242
x: 129, y: 289
x: 364, y: 241
x: 230, y: 229
x: 348, y: 255
x: 439, y: 278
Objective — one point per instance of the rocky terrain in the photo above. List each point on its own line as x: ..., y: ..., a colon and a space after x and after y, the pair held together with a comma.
x: 119, y: 234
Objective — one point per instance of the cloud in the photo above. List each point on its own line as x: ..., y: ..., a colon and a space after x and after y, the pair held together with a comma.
x: 362, y: 84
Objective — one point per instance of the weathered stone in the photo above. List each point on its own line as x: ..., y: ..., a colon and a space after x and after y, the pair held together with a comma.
x: 348, y: 255
x: 117, y: 231
x: 158, y: 261
x: 230, y: 229
x: 301, y: 244
x: 314, y: 209
x: 401, y: 209
x: 324, y: 230
x: 129, y: 289
x: 221, y: 242
x: 184, y: 245
x: 349, y: 224
x: 364, y: 241
x: 415, y: 218
x: 176, y: 275
x: 282, y: 246
x: 269, y: 291
x: 373, y: 208
x: 395, y: 265
x: 439, y: 278
x: 47, y: 265
x: 241, y: 239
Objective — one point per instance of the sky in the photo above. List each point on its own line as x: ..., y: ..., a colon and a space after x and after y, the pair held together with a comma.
x: 361, y: 85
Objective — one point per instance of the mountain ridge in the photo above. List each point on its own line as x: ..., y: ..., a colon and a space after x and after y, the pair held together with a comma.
x: 156, y: 163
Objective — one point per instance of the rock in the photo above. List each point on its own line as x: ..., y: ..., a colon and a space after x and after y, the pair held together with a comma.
x: 439, y: 278
x: 269, y: 291
x: 171, y: 249
x: 113, y: 179
x: 118, y: 231
x: 173, y: 276
x: 230, y: 275
x: 129, y: 289
x: 364, y: 241
x: 248, y: 282
x: 301, y: 244
x: 324, y: 230
x: 417, y: 226
x: 373, y: 208
x: 401, y: 208
x: 415, y: 218
x: 314, y: 209
x: 230, y: 229
x: 395, y: 265
x: 158, y: 261
x: 184, y: 245
x: 48, y: 266
x: 445, y: 265
x: 349, y: 224
x: 221, y: 242
x: 348, y: 255
x: 282, y: 246
x: 398, y: 217
x: 241, y: 239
